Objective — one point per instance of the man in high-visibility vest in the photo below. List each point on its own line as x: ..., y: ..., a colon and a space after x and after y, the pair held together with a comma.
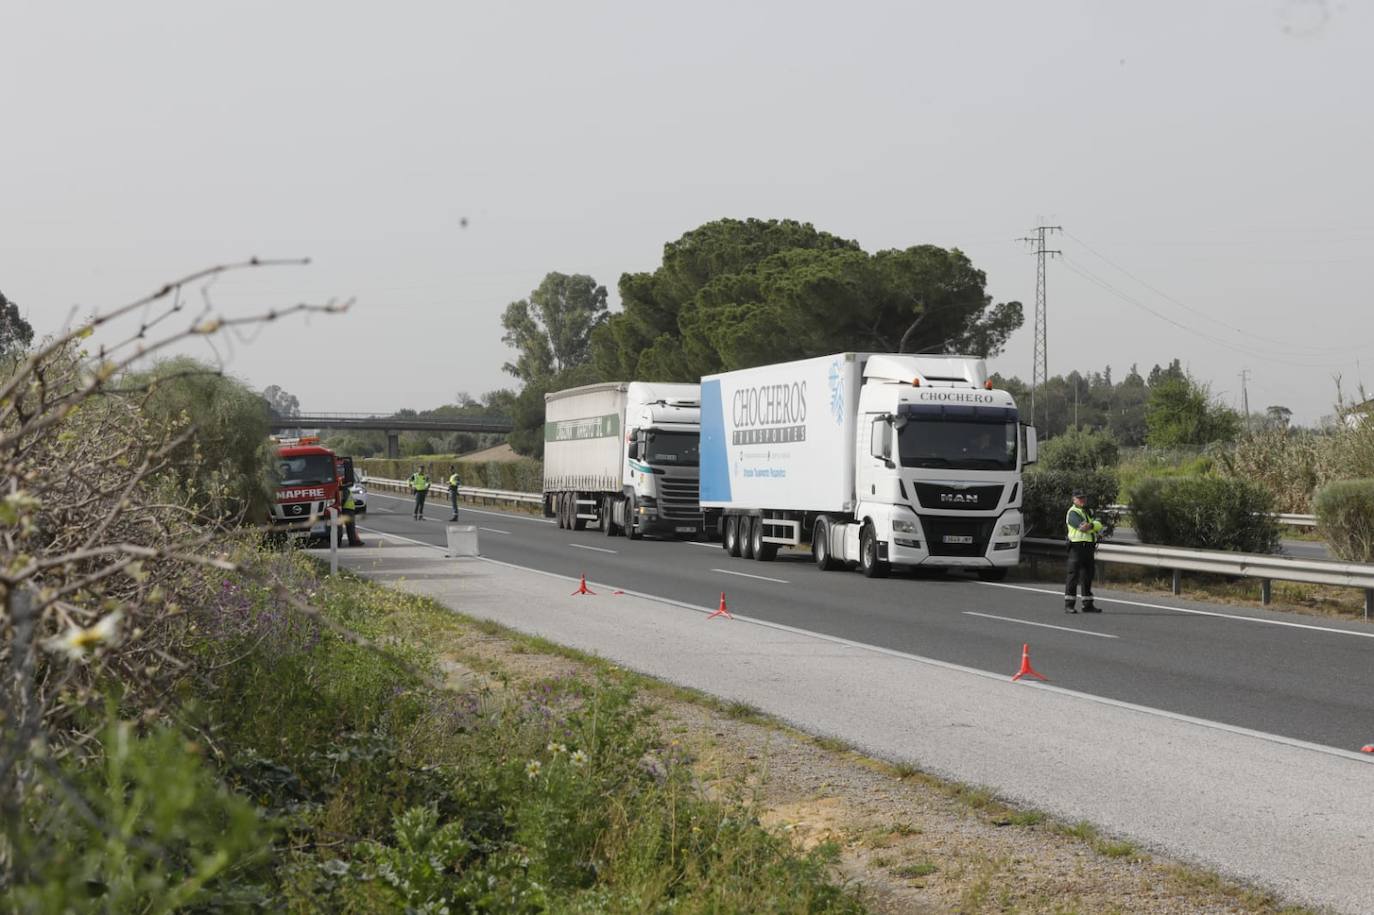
x: 420, y: 483
x: 453, y: 484
x: 1083, y: 531
x: 350, y: 510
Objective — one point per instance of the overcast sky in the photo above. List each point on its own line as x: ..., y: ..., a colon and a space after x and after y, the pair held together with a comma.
x: 1212, y: 164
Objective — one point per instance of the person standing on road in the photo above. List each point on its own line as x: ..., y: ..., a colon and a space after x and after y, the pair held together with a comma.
x: 420, y: 483
x: 350, y: 511
x: 1083, y: 532
x: 453, y: 484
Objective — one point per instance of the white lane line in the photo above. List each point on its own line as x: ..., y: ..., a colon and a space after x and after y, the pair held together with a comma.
x: 1294, y: 742
x: 747, y: 575
x: 1226, y: 616
x: 475, y: 511
x: 709, y: 546
x: 599, y: 549
x: 493, y: 530
x: 1012, y: 619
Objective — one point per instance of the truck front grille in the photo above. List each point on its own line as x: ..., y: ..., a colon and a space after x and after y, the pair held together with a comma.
x: 937, y: 529
x: 679, y: 499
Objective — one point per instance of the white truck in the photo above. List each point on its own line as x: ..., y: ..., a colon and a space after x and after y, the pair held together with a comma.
x: 624, y: 456
x: 873, y: 459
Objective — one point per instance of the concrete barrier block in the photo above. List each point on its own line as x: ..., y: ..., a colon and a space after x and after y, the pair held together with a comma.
x: 462, y: 540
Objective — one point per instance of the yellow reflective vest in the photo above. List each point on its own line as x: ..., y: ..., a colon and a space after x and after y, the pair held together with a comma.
x: 1077, y: 516
x: 453, y: 481
x: 419, y: 482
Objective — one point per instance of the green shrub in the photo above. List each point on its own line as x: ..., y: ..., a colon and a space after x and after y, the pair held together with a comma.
x: 1049, y: 493
x: 1289, y: 464
x: 524, y: 475
x: 1345, y: 515
x: 1139, y: 463
x: 1210, y: 513
x: 1080, y: 449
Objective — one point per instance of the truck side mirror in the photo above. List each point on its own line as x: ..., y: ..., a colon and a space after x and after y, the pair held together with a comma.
x: 880, y: 443
x: 1032, y: 446
x: 633, y: 450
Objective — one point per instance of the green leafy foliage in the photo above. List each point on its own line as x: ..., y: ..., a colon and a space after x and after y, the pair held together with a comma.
x: 737, y: 293
x: 551, y: 331
x: 1210, y: 513
x: 1181, y: 411
x: 144, y: 826
x: 1048, y: 495
x: 224, y: 466
x: 1345, y: 516
x: 15, y: 332
x: 1080, y: 449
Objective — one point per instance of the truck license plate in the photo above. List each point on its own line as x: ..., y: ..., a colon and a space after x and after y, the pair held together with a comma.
x: 684, y: 530
x: 957, y: 538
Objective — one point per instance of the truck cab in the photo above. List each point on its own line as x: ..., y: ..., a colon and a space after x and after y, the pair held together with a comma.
x: 662, y: 460
x: 938, y: 458
x: 308, y: 481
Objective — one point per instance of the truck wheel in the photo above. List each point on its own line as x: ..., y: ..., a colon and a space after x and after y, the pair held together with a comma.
x: 820, y: 546
x: 608, y: 525
x: 869, y: 563
x: 632, y: 520
x: 560, y: 509
x: 746, y: 537
x: 729, y: 539
x: 997, y: 573
x: 576, y: 522
x: 763, y: 552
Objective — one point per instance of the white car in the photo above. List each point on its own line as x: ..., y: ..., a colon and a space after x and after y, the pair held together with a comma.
x: 359, y: 497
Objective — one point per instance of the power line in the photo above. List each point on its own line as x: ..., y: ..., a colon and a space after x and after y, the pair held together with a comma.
x: 1287, y: 344
x: 1040, y: 367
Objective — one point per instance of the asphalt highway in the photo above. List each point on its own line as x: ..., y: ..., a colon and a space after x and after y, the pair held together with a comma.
x: 1295, y: 676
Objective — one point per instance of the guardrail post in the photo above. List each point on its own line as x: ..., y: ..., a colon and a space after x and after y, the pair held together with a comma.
x: 1266, y: 591
x: 1178, y: 581
x: 1368, y: 599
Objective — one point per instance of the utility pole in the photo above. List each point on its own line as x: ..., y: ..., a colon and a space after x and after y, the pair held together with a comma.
x: 1245, y: 398
x: 1040, y: 372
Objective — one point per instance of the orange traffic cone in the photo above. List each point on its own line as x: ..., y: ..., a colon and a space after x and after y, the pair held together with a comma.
x: 1367, y: 748
x: 721, y: 611
x: 582, y: 588
x: 1026, y: 669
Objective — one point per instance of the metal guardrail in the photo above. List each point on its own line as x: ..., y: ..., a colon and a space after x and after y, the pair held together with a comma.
x: 1289, y: 518
x: 468, y: 492
x: 1267, y: 568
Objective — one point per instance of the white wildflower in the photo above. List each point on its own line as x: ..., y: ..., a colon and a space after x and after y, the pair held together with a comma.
x: 77, y: 642
x: 532, y: 769
x: 556, y: 747
x: 579, y: 758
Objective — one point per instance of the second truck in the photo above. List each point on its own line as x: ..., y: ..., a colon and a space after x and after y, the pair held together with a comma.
x: 624, y: 456
x: 874, y: 460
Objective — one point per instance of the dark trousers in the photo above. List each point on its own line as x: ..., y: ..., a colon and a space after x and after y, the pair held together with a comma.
x: 350, y: 529
x: 1082, y: 565
x: 420, y: 502
x: 453, y: 498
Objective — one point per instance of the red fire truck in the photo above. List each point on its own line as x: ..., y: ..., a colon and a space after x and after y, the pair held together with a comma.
x: 310, y: 479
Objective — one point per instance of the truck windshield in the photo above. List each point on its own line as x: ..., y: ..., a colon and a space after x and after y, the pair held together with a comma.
x: 682, y: 449
x: 958, y: 444
x: 305, y: 468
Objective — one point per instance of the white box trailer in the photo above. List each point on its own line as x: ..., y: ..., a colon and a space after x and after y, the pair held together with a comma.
x: 871, y: 458
x: 624, y: 456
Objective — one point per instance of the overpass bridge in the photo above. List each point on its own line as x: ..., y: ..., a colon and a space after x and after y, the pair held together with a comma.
x: 393, y: 426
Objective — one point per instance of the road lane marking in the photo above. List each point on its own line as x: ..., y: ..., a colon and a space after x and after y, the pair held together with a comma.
x: 599, y: 549
x: 493, y: 530
x: 1350, y: 755
x: 709, y: 546
x: 1226, y: 616
x: 1012, y: 619
x: 477, y: 511
x: 747, y: 575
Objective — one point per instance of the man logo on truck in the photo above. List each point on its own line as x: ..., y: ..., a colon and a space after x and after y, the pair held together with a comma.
x: 959, y: 497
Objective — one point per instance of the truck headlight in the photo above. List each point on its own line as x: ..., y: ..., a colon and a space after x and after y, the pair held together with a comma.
x: 1011, y: 530
x: 905, y: 527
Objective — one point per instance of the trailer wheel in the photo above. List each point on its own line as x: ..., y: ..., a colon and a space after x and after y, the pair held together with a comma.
x: 820, y: 546
x: 869, y: 563
x: 576, y: 523
x: 763, y: 552
x: 632, y: 520
x: 746, y: 536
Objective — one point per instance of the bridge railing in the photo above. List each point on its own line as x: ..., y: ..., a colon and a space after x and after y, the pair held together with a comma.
x: 1265, y: 567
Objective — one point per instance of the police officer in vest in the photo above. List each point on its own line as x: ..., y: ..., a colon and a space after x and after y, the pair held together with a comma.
x: 420, y: 483
x: 453, y: 483
x: 1083, y: 532
x: 350, y: 510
